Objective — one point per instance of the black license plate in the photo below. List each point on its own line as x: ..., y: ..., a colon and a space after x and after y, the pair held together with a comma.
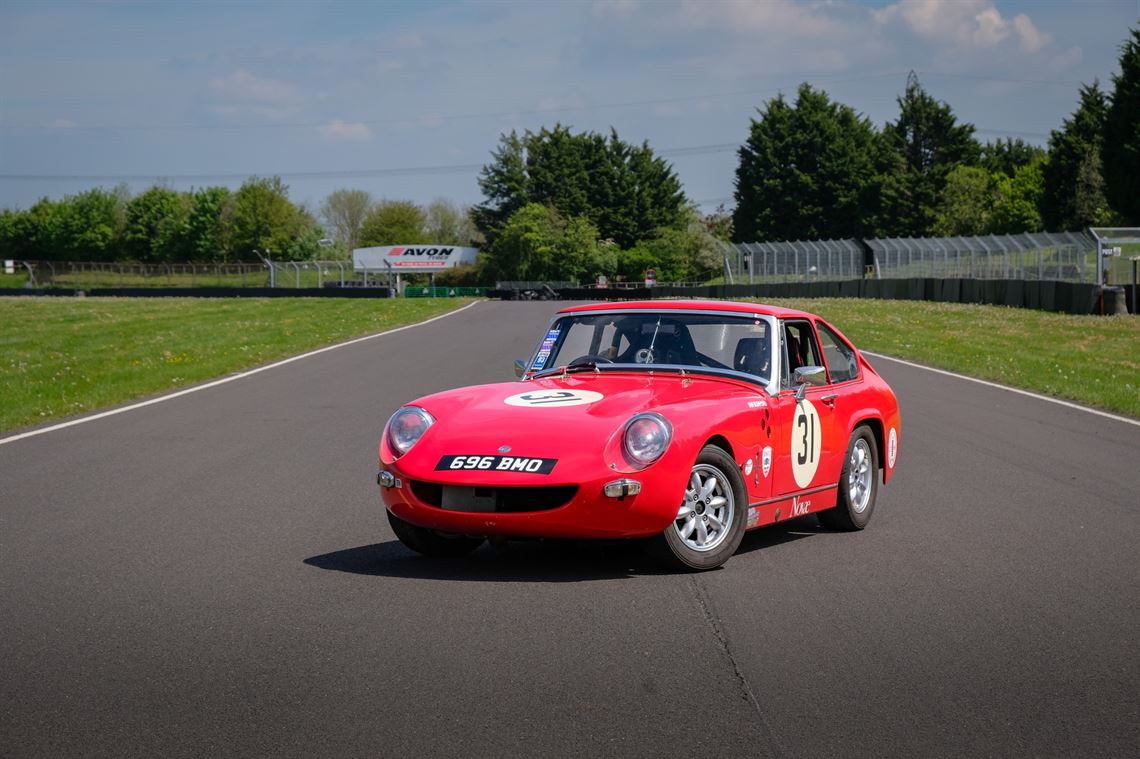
x: 478, y: 463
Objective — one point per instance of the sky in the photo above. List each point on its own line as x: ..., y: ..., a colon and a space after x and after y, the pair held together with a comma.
x: 407, y: 100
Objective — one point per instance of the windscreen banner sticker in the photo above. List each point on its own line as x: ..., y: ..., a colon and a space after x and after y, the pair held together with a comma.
x: 806, y: 433
x: 496, y: 464
x: 892, y: 448
x: 553, y: 398
x: 545, y: 349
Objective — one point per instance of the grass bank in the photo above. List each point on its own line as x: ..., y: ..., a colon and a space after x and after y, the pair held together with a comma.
x: 1093, y: 360
x: 64, y: 356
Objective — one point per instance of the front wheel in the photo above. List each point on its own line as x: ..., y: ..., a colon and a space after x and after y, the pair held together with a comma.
x: 858, y: 484
x: 710, y: 519
x: 432, y: 543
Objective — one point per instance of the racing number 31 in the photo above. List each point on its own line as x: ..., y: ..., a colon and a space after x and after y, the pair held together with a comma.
x: 805, y: 443
x: 805, y: 452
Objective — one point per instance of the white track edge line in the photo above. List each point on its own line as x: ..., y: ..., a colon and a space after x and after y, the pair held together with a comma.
x: 223, y: 380
x: 987, y: 383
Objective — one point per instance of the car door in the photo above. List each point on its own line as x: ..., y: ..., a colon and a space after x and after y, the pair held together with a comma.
x: 807, y: 454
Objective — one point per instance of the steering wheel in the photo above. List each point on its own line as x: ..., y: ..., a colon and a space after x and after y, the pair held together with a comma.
x: 590, y: 358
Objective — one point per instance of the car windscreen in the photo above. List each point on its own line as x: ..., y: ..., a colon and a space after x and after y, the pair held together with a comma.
x: 724, y: 342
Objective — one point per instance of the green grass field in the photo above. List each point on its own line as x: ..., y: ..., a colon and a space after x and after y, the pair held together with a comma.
x: 1093, y: 360
x: 64, y: 356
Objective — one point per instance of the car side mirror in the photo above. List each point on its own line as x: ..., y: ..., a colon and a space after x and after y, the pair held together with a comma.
x: 808, y: 375
x: 520, y: 368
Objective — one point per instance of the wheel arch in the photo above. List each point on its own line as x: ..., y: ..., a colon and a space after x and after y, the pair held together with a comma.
x: 875, y: 424
x: 720, y: 441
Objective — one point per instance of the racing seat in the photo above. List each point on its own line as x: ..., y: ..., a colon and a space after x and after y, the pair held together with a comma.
x: 795, y: 361
x: 752, y: 356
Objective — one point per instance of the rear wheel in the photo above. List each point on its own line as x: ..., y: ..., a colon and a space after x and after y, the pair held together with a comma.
x: 432, y: 543
x: 710, y: 519
x: 858, y: 484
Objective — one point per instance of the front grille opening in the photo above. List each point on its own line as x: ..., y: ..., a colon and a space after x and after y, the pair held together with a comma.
x: 514, y: 500
x: 428, y: 492
x: 495, y: 500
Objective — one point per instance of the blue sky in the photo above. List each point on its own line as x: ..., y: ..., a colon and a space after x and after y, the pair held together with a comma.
x: 406, y: 100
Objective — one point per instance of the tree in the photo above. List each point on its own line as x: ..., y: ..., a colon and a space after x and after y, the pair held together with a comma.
x: 30, y: 234
x: 393, y: 222
x: 685, y: 252
x: 805, y: 172
x: 624, y: 190
x: 344, y: 212
x: 155, y: 223
x: 207, y: 229
x: 539, y: 244
x: 965, y: 204
x: 263, y: 218
x: 1074, y: 187
x: 504, y: 184
x: 1009, y: 154
x: 1016, y: 200
x: 1121, y: 150
x: 86, y: 227
x: 449, y: 224
x: 921, y: 148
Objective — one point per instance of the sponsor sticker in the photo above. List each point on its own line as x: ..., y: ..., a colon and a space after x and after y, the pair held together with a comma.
x: 554, y: 398
x: 892, y: 447
x: 766, y: 460
x: 806, y: 440
x: 757, y: 404
x: 477, y: 462
x: 748, y: 467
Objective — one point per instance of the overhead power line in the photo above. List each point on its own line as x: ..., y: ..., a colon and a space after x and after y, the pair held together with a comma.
x: 428, y: 118
x: 457, y: 168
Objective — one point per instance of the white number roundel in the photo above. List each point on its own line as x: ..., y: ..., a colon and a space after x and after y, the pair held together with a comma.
x: 806, y: 439
x: 553, y: 398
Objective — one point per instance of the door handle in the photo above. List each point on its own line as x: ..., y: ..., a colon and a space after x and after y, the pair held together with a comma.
x: 829, y: 399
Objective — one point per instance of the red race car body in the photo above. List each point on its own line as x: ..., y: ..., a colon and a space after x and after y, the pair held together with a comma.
x: 686, y: 421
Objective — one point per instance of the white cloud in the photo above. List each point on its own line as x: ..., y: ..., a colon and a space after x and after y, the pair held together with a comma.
x: 1067, y: 60
x: 968, y: 24
x: 244, y: 86
x: 1031, y: 38
x: 771, y: 17
x: 345, y: 131
x: 604, y: 8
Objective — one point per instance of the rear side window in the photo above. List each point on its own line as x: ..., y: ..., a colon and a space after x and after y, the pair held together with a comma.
x: 841, y: 362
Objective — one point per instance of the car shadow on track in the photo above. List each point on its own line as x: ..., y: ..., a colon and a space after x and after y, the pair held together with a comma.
x: 539, y: 560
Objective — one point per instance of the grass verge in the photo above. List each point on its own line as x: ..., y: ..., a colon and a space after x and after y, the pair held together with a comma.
x: 64, y: 356
x: 1094, y: 360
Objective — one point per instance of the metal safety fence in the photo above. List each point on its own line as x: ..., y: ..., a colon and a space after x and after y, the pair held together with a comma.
x: 1057, y: 256
x: 799, y: 261
x: 84, y: 275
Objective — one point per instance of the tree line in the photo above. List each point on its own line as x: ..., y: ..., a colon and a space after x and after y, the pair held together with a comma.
x: 560, y: 205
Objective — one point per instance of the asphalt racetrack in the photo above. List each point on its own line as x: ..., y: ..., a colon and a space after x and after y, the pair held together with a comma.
x: 214, y: 575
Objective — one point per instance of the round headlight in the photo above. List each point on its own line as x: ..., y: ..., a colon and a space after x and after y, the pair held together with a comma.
x: 406, y: 427
x: 646, y: 438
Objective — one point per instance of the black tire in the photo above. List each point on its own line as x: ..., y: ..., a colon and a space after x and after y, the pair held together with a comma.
x: 674, y: 549
x: 847, y: 515
x: 432, y: 543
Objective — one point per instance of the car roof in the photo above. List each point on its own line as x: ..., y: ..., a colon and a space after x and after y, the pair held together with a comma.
x: 691, y: 305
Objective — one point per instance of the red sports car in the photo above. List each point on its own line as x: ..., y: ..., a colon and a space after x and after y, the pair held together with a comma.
x: 686, y: 422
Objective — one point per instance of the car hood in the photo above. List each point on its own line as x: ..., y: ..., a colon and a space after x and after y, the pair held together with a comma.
x: 573, y: 417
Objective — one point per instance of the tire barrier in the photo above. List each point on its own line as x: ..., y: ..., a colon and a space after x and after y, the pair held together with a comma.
x: 212, y: 292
